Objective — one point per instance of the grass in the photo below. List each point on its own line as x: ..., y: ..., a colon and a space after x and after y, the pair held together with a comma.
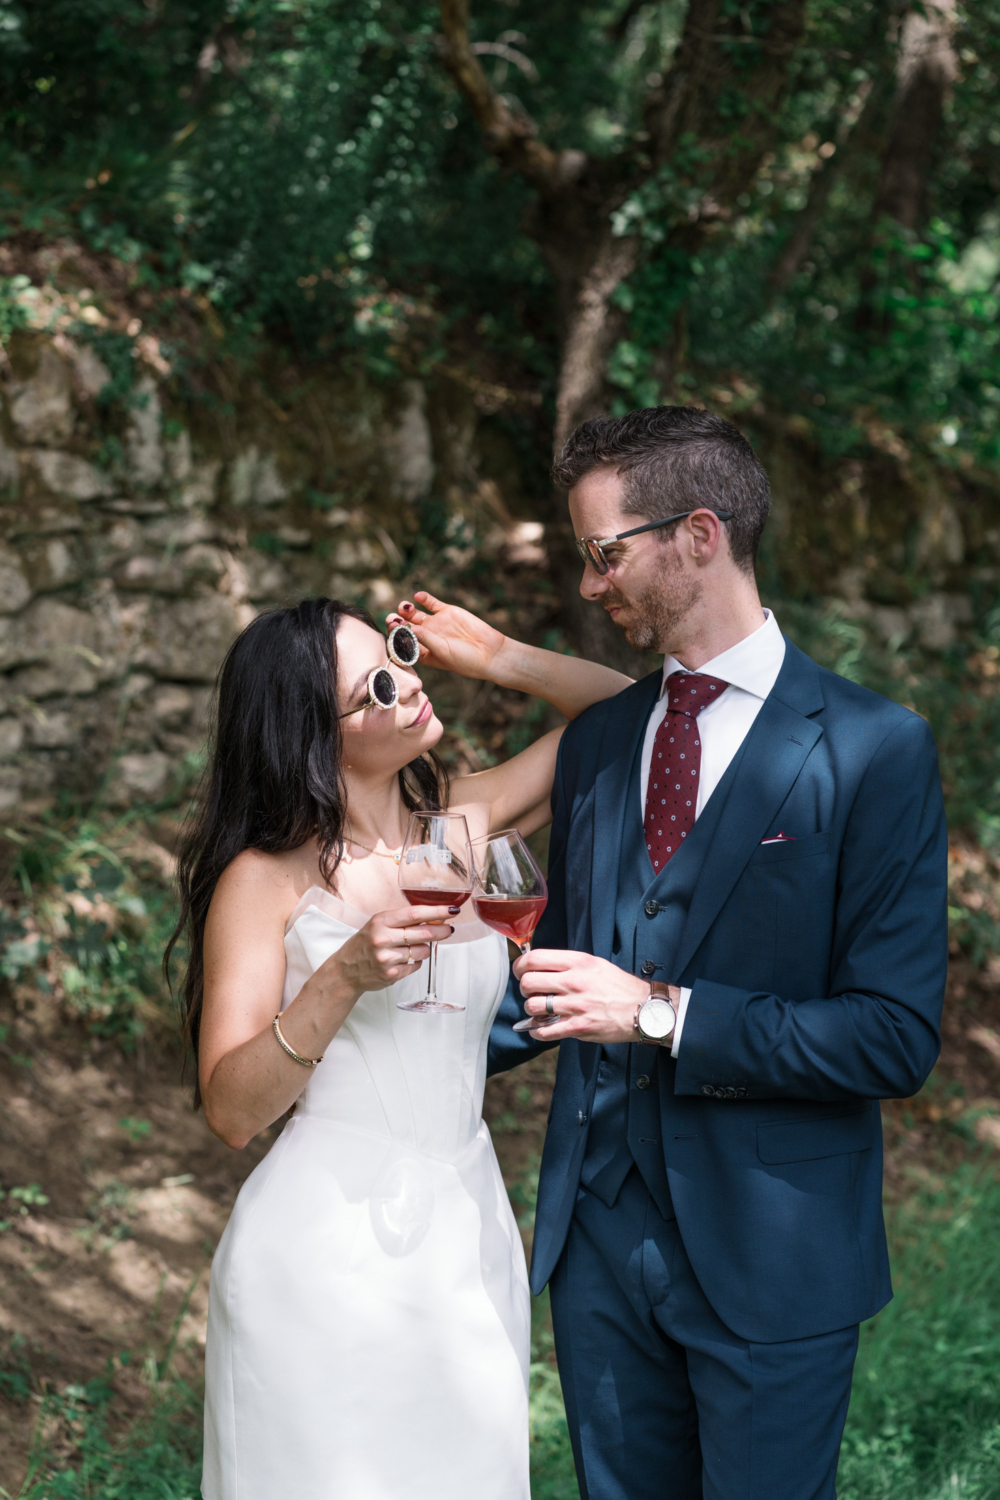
x: 925, y: 1416
x: 924, y: 1421
x: 160, y: 1459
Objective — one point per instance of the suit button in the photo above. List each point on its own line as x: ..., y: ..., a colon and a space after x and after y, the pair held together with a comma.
x: 741, y: 1093
x: 642, y: 1082
x: 708, y: 1091
x: 730, y: 1093
x: 651, y: 908
x: 648, y: 969
x: 581, y: 1117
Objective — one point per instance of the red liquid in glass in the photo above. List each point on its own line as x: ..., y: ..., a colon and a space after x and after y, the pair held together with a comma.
x: 430, y: 895
x: 516, y: 917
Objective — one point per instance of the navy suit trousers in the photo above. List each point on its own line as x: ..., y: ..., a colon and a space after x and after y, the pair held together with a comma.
x: 664, y: 1402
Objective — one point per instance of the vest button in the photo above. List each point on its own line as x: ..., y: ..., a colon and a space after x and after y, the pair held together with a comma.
x: 648, y: 969
x: 581, y: 1117
x: 642, y: 1082
x: 708, y: 1091
x: 651, y: 908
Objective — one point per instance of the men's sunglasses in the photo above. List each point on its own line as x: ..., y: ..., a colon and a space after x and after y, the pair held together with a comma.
x: 383, y: 689
x: 591, y: 549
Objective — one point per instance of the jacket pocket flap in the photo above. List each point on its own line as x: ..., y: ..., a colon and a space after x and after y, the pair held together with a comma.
x: 810, y: 1140
x: 798, y: 848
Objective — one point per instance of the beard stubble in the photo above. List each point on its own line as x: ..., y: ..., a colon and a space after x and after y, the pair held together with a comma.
x: 650, y: 618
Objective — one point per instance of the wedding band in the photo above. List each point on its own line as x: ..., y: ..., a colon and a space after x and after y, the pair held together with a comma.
x: 549, y: 1007
x: 409, y: 955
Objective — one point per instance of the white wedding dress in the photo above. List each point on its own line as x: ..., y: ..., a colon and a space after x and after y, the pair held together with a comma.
x: 368, y: 1327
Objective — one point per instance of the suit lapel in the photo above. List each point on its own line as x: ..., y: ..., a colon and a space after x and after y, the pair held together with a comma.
x: 775, y: 750
x: 622, y: 730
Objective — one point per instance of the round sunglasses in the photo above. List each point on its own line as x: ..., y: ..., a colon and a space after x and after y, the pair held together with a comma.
x: 591, y: 549
x: 383, y: 690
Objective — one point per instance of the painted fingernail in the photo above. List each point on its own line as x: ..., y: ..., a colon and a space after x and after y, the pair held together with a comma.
x: 453, y: 911
x: 451, y: 927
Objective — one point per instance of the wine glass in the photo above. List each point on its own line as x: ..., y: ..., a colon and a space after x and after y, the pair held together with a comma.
x: 510, y: 893
x: 435, y: 869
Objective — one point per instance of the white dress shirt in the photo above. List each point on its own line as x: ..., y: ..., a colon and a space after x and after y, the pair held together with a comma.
x: 751, y: 668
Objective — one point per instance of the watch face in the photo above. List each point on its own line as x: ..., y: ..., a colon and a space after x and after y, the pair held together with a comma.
x: 656, y: 1019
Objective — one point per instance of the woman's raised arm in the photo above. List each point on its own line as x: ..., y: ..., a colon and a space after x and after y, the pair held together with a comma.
x: 458, y: 641
x: 516, y: 793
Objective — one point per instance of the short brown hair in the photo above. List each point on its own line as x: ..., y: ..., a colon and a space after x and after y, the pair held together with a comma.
x: 675, y: 458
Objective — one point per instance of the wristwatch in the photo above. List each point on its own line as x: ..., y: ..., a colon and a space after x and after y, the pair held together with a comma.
x: 656, y: 1018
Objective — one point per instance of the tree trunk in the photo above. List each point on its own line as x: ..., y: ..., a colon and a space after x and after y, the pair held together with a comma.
x: 590, y: 327
x: 849, y: 147
x: 925, y: 71
x: 590, y: 335
x: 719, y: 62
x: 926, y: 67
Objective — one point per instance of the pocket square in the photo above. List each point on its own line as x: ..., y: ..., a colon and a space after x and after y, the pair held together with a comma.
x: 779, y: 838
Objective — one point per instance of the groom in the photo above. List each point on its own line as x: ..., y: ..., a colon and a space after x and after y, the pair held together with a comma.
x: 745, y: 950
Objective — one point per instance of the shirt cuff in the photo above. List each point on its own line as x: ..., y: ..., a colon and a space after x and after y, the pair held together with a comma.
x: 682, y: 1006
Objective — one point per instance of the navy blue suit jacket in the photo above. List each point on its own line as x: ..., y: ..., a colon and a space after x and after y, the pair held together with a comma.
x: 817, y: 968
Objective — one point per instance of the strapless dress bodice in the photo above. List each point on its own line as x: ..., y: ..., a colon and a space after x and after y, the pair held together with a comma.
x: 412, y: 1077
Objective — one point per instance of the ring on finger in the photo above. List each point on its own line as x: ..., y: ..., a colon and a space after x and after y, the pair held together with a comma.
x: 549, y: 1007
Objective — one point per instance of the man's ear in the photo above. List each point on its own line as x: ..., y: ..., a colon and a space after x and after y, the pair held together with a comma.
x: 707, y: 535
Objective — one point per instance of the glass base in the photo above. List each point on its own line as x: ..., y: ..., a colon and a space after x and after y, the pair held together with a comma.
x: 429, y: 1004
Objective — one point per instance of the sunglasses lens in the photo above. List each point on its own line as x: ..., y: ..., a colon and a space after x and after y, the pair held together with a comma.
x: 596, y: 558
x: 382, y: 686
x: 404, y: 647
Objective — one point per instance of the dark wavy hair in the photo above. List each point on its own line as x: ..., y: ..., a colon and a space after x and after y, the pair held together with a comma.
x: 274, y: 777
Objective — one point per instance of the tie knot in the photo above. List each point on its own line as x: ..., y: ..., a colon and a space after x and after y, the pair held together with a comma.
x: 690, y: 692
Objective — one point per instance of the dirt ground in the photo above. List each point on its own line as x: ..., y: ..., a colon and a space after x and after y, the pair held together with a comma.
x: 116, y: 1260
x: 137, y: 1190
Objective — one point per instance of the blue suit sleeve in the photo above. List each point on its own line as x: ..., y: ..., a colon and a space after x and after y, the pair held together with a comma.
x: 507, y: 1048
x: 876, y: 1034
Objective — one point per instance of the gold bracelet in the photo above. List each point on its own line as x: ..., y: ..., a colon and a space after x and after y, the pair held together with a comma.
x: 307, y: 1062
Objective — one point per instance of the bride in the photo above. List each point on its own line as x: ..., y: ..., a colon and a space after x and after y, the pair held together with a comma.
x: 368, y: 1324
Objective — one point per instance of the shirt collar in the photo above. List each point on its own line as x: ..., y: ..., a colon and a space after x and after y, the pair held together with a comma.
x: 752, y: 664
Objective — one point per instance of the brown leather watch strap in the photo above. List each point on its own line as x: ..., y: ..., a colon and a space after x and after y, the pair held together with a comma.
x: 659, y: 989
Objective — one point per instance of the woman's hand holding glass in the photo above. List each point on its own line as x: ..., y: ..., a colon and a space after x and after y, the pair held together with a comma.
x: 390, y: 946
x: 450, y: 637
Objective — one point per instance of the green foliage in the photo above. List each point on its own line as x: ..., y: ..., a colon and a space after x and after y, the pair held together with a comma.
x: 312, y: 172
x: 16, y: 1381
x: 925, y: 1415
x: 552, y: 1469
x: 523, y: 1192
x: 90, y: 927
x: 12, y: 312
x: 159, y: 1459
x: 924, y: 1422
x: 110, y: 1213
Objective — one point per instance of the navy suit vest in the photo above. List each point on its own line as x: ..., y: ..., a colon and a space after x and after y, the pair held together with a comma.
x: 650, y: 913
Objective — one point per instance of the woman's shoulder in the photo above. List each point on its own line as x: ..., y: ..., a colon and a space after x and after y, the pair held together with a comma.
x: 269, y: 884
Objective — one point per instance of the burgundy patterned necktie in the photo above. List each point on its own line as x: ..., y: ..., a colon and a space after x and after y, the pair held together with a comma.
x: 672, y: 789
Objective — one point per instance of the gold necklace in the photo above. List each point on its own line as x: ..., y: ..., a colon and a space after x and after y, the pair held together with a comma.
x: 369, y: 850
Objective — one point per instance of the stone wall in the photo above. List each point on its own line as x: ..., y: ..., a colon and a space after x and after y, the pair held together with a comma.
x: 138, y: 536
x: 129, y: 562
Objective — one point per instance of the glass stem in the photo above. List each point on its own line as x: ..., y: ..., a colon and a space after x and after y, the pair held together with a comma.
x: 432, y: 972
x: 525, y: 947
